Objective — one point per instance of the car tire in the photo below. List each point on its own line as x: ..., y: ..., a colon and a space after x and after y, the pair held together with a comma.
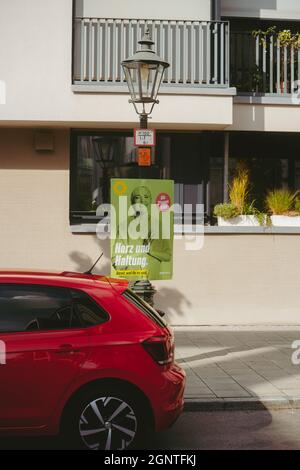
x: 106, y: 418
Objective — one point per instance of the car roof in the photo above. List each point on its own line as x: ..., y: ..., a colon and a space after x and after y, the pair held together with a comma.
x: 65, y: 278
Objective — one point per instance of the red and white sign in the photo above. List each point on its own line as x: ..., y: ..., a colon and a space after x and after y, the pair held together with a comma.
x: 163, y: 202
x: 144, y: 137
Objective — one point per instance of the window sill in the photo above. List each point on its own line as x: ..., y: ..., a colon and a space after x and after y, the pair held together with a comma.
x: 176, y: 89
x: 91, y: 228
x: 252, y: 98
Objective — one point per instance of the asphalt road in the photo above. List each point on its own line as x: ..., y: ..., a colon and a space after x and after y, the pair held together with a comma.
x: 209, y: 430
x: 239, y: 430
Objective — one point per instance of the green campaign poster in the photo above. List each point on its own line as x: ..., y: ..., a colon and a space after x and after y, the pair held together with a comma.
x: 142, y: 227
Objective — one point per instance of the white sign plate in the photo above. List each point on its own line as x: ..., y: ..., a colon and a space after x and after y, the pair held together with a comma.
x: 144, y: 137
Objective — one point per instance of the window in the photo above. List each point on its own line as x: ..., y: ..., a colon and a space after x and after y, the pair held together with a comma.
x: 37, y: 307
x: 271, y: 158
x: 34, y: 307
x: 87, y: 311
x: 144, y: 307
x: 194, y: 160
x: 96, y: 157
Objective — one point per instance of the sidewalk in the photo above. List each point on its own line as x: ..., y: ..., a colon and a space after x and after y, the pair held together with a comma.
x: 239, y: 367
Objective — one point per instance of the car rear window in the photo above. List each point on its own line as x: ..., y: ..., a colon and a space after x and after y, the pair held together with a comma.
x: 144, y: 307
x: 88, y: 312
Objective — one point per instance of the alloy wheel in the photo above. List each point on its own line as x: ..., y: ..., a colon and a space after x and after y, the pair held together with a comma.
x: 108, y: 423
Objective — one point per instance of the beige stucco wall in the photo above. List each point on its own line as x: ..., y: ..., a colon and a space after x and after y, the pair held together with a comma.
x: 234, y: 279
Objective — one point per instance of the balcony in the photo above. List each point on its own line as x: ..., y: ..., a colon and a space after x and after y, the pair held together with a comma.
x: 263, y: 66
x: 198, y: 52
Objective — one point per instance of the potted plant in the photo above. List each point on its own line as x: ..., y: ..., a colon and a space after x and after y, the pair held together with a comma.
x: 284, y: 207
x: 239, y: 211
x: 226, y: 213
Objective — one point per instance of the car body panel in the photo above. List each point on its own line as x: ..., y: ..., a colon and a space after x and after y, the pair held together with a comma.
x: 39, y: 378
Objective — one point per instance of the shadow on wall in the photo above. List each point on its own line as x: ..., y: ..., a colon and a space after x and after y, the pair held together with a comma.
x: 172, y: 301
x: 254, y: 115
x: 82, y: 261
x: 18, y: 149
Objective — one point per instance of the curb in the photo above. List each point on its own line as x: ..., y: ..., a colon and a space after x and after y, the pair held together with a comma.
x: 241, y: 404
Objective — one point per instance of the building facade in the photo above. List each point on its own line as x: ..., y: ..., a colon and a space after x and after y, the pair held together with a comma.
x: 230, y: 95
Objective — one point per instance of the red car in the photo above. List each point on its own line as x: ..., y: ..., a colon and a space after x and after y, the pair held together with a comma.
x: 83, y: 356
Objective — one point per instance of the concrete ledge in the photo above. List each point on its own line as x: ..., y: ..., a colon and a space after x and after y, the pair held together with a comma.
x: 287, y: 99
x: 259, y: 230
x: 91, y: 228
x: 241, y: 404
x: 175, y: 89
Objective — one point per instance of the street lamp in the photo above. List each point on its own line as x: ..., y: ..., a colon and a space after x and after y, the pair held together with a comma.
x: 144, y: 72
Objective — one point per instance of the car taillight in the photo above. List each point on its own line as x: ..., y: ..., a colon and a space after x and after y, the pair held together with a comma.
x: 160, y: 348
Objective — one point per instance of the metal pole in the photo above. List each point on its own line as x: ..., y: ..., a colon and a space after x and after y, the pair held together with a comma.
x: 226, y: 166
x: 144, y: 288
x: 143, y: 121
x: 215, y: 9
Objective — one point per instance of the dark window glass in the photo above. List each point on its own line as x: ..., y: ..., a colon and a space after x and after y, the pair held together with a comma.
x: 96, y: 158
x: 271, y: 159
x: 194, y: 160
x: 144, y: 307
x: 34, y: 307
x: 87, y: 314
x: 86, y: 310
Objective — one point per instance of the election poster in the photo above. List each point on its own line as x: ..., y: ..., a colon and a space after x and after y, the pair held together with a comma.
x: 142, y: 221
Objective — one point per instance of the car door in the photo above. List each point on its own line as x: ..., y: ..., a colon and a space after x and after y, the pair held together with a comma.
x: 42, y: 351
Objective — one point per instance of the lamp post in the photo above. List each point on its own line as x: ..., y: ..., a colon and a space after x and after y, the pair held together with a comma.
x: 144, y: 72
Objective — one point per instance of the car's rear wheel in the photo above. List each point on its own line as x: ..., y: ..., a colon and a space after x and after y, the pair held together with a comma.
x: 107, y: 418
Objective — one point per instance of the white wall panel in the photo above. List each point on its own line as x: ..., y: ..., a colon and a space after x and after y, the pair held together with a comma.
x: 273, y: 9
x: 145, y: 9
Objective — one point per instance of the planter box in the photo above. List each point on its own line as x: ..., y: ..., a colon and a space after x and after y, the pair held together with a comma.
x: 241, y: 220
x: 285, y: 220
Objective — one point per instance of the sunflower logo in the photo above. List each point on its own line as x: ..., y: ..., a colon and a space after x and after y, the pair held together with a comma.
x: 120, y: 187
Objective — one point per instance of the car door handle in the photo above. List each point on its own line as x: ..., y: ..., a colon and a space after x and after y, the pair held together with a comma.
x: 66, y: 349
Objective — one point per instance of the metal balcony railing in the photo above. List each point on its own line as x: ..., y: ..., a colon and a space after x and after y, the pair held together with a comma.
x: 263, y: 65
x: 198, y: 51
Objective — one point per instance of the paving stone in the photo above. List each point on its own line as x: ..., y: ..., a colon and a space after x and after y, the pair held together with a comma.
x: 232, y: 394
x: 233, y: 362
